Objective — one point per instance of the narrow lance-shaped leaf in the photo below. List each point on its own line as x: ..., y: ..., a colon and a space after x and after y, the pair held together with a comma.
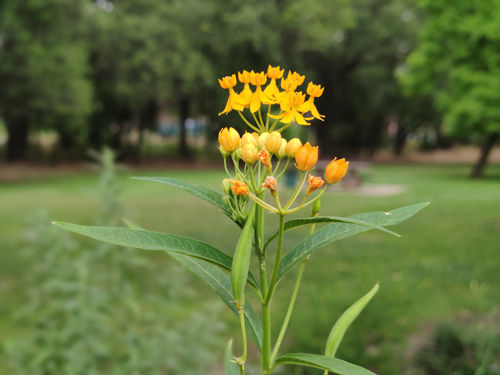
x: 342, y: 324
x: 337, y: 231
x: 290, y: 224
x: 335, y: 365
x: 218, y: 280
x: 230, y: 366
x: 149, y: 240
x: 241, y: 260
x: 199, y: 191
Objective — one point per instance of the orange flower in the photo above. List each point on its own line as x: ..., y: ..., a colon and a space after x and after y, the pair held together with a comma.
x: 270, y: 183
x: 314, y: 184
x: 234, y: 101
x: 291, y: 105
x: 246, y: 93
x: 229, y: 139
x: 336, y: 170
x: 292, y: 81
x: 239, y: 188
x: 271, y: 91
x: 264, y: 158
x: 257, y: 79
x: 306, y: 157
x: 314, y: 91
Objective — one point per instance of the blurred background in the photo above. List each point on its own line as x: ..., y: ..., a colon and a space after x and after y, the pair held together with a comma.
x: 93, y: 92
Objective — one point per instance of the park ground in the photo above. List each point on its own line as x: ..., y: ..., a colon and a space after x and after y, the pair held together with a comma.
x: 443, y: 269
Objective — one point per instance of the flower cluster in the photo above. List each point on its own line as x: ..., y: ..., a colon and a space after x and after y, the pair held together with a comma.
x: 261, y: 157
x: 266, y: 156
x: 293, y: 105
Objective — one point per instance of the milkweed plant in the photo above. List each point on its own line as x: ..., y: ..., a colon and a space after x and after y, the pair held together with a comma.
x: 254, y: 163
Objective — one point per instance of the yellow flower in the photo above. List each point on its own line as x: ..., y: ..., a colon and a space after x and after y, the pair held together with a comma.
x: 249, y: 153
x: 314, y: 184
x: 314, y: 91
x: 336, y: 170
x: 273, y: 142
x: 257, y: 79
x: 290, y: 105
x: 234, y: 101
x: 292, y: 81
x: 229, y: 139
x: 292, y: 146
x: 264, y: 158
x: 239, y: 188
x: 271, y: 91
x: 248, y: 138
x: 246, y: 94
x: 306, y: 157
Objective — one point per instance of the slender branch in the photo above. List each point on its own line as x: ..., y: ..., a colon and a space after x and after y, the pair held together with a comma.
x: 247, y: 122
x: 289, y: 311
x: 284, y: 169
x: 243, y: 358
x: 274, y: 276
x: 297, y: 190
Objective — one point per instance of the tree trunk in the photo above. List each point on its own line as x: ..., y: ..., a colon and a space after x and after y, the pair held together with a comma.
x: 183, y: 116
x: 477, y: 170
x: 399, y: 140
x: 17, y: 141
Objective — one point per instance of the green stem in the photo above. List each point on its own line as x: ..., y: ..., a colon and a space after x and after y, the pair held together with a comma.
x: 244, y: 339
x: 289, y: 311
x: 274, y: 277
x: 266, y: 339
x: 247, y: 122
x: 297, y: 190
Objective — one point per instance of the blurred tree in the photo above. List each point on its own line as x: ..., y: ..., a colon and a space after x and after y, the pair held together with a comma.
x: 458, y: 62
x: 358, y: 69
x: 42, y: 70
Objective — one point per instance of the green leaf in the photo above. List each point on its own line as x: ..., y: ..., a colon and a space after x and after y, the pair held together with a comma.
x: 220, y: 282
x: 335, y: 365
x: 241, y: 259
x: 230, y: 367
x: 345, y: 320
x: 328, y: 219
x: 202, y: 192
x: 148, y: 240
x: 337, y: 231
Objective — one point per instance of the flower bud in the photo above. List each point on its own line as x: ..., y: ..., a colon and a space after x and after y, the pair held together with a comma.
x: 306, y: 157
x: 316, y: 207
x: 336, y: 170
x: 239, y: 188
x: 282, y: 152
x: 237, y: 154
x: 262, y: 139
x: 249, y: 153
x: 248, y: 138
x: 273, y: 142
x: 226, y: 185
x: 264, y: 158
x: 229, y: 139
x: 292, y: 146
x: 270, y: 183
x: 223, y: 153
x: 256, y: 136
x: 314, y: 184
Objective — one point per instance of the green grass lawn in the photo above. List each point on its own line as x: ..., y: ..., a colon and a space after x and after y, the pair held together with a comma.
x: 445, y: 266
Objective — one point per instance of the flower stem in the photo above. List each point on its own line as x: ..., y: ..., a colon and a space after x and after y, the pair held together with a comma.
x: 274, y: 276
x: 289, y: 311
x: 248, y: 123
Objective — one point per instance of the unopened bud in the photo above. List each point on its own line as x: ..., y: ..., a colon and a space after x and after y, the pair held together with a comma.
x: 316, y: 207
x: 282, y: 152
x: 262, y: 139
x: 226, y: 185
x: 273, y: 142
